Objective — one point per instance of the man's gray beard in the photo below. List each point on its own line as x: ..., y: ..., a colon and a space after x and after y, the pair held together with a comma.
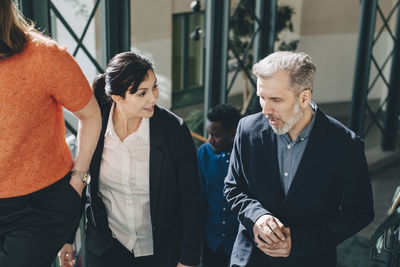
x: 297, y: 114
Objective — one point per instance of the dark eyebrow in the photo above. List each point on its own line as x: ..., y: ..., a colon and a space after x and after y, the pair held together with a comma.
x: 143, y: 89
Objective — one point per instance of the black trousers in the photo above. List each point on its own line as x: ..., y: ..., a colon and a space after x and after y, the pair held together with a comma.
x: 34, y: 227
x: 119, y: 256
x: 214, y: 258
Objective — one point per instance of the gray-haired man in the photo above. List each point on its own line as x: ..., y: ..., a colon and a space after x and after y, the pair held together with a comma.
x: 298, y: 179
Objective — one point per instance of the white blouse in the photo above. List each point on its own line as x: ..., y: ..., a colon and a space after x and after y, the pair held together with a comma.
x: 125, y: 189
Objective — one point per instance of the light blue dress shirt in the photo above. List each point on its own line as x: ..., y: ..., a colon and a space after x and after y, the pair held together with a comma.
x: 291, y: 152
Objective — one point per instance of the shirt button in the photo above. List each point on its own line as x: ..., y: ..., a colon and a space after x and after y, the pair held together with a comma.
x: 223, y: 235
x: 154, y: 228
x: 289, y: 147
x: 224, y: 209
x: 286, y: 174
x: 302, y: 139
x: 227, y: 161
x: 223, y: 222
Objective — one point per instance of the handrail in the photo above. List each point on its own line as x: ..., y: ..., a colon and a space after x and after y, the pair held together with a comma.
x: 198, y: 137
x: 396, y: 203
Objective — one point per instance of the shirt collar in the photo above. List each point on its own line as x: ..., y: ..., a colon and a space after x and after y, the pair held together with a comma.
x: 110, y: 125
x: 142, y: 132
x: 218, y: 155
x: 307, y: 131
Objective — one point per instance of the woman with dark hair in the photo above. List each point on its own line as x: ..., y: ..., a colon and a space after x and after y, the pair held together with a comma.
x: 40, y: 199
x: 144, y: 198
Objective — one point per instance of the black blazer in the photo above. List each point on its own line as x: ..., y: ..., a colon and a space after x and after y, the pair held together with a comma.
x: 174, y: 192
x: 330, y: 198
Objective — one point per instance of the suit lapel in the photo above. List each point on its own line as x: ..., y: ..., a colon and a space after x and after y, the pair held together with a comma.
x: 156, y: 159
x: 311, y: 153
x: 268, y: 139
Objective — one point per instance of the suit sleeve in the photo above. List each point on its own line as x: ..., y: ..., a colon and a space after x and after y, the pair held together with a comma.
x: 203, y: 183
x: 355, y: 212
x: 200, y: 160
x: 237, y: 191
x: 190, y: 201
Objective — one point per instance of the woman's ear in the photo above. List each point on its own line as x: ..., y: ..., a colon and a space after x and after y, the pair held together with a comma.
x: 116, y: 98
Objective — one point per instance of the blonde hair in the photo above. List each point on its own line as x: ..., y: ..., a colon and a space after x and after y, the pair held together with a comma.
x: 13, y: 29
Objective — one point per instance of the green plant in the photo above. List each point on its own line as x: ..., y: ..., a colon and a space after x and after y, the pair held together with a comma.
x: 240, y: 37
x: 242, y: 29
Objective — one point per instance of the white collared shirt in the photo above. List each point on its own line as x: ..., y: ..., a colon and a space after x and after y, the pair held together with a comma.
x: 125, y: 189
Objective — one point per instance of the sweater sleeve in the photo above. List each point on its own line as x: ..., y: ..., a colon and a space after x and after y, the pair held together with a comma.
x: 66, y: 82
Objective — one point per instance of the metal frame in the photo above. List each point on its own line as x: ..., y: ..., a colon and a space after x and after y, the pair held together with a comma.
x: 391, y: 122
x: 216, y: 53
x: 217, y: 39
x: 79, y: 40
x: 264, y: 42
x: 39, y: 12
x: 363, y: 65
x: 387, y: 123
x: 118, y: 29
x: 189, y: 95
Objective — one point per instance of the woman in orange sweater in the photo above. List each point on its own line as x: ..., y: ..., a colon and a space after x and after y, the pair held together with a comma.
x: 40, y: 201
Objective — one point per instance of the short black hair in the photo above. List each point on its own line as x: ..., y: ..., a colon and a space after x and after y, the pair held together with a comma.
x: 227, y: 114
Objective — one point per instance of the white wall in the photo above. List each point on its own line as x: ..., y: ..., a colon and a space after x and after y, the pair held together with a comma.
x: 329, y: 34
x: 160, y: 52
x: 334, y: 56
x: 151, y: 33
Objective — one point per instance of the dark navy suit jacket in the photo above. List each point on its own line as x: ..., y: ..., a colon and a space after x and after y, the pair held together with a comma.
x: 330, y: 198
x: 175, y: 203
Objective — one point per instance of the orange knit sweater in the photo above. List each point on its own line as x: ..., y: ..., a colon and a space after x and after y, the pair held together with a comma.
x: 34, y: 85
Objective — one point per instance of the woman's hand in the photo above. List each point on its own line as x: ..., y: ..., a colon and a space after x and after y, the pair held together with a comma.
x: 66, y: 256
x: 77, y: 184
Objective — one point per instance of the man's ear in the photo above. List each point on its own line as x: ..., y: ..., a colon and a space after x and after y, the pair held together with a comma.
x: 305, y: 98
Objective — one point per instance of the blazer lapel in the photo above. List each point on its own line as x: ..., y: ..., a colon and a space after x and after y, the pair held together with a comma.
x: 156, y: 160
x: 311, y: 153
x: 268, y: 139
